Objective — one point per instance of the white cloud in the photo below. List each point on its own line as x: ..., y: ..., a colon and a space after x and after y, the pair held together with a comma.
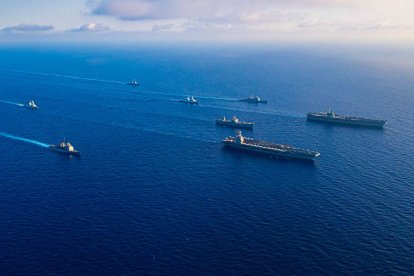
x: 26, y: 28
x: 167, y: 27
x: 225, y: 19
x: 91, y: 27
x: 262, y: 14
x: 125, y: 9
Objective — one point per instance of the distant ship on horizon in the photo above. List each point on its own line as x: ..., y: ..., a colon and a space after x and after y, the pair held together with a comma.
x: 332, y: 117
x: 133, y: 83
x: 253, y: 99
x: 267, y: 148
x: 189, y: 100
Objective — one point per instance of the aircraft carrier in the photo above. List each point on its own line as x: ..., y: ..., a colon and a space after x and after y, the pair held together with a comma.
x: 331, y: 117
x: 270, y: 149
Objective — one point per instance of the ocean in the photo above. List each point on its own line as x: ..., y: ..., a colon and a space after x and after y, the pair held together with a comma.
x: 154, y: 192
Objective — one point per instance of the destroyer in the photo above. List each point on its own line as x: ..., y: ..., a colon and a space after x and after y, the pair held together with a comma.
x: 234, y: 122
x: 331, y: 117
x: 271, y: 149
x: 133, y: 83
x: 32, y: 105
x: 65, y: 147
x: 189, y: 100
x: 253, y: 99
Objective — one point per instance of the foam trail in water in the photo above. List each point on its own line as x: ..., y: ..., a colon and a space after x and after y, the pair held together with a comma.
x: 217, y: 98
x: 34, y: 142
x: 180, y: 96
x: 118, y: 82
x: 7, y: 102
x: 69, y: 77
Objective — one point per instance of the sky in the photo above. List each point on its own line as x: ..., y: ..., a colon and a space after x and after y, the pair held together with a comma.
x: 205, y: 20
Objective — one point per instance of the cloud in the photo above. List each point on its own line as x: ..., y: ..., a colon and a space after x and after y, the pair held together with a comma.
x: 351, y: 25
x: 26, y: 28
x: 199, y: 9
x: 126, y: 9
x: 189, y: 9
x: 164, y: 27
x: 91, y: 27
x: 258, y: 15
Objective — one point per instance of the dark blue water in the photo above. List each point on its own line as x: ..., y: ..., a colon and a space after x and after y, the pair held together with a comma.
x: 154, y: 191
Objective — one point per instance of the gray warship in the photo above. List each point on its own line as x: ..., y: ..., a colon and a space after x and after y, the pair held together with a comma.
x: 64, y: 147
x: 332, y: 117
x: 270, y: 149
x: 189, y: 100
x: 133, y: 83
x: 234, y: 122
x: 253, y: 99
x: 32, y: 105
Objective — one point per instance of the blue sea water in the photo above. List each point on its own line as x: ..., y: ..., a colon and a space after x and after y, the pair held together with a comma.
x: 154, y: 192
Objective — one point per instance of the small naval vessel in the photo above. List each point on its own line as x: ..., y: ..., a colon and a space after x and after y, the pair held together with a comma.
x: 32, y: 105
x: 64, y: 147
x: 133, y: 83
x: 234, y: 122
x: 331, y: 117
x: 189, y: 100
x: 270, y: 149
x: 253, y: 99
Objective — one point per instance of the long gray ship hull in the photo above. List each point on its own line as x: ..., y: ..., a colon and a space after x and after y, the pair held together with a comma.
x: 235, y: 125
x: 345, y: 120
x: 273, y: 150
x: 55, y: 148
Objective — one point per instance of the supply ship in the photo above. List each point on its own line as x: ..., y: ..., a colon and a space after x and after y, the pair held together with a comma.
x: 331, y: 117
x: 234, y: 122
x: 268, y: 148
